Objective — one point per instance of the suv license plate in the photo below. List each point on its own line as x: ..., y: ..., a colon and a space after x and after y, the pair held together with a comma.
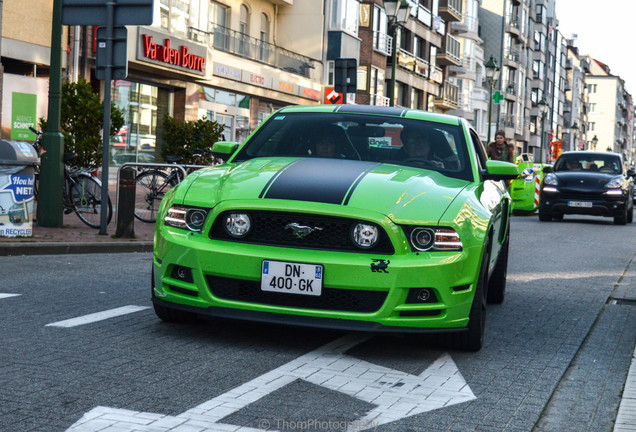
x: 291, y: 278
x: 579, y: 204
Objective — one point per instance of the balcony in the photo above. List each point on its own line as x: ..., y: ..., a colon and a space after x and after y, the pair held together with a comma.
x: 405, y: 60
x: 449, y: 97
x: 510, y: 91
x: 450, y: 10
x: 449, y: 55
x: 239, y: 44
x: 382, y: 43
x: 437, y: 75
x: 512, y: 58
x: 567, y: 107
x: 568, y: 64
x: 468, y: 25
x: 513, y: 25
x: 379, y: 100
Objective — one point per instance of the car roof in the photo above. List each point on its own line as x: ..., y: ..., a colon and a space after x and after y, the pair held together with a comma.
x: 589, y: 154
x: 376, y: 110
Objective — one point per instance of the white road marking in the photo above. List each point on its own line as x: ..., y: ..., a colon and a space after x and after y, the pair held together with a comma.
x: 395, y: 394
x: 98, y: 316
x: 3, y: 295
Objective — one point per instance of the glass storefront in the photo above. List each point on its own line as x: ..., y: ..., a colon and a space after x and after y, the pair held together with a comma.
x: 143, y: 107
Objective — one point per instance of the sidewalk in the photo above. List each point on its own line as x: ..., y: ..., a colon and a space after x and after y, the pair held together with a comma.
x: 76, y: 237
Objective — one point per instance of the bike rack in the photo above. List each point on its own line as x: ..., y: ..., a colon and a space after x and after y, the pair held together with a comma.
x: 163, y: 166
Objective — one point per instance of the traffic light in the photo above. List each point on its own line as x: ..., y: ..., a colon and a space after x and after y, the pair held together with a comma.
x: 346, y: 73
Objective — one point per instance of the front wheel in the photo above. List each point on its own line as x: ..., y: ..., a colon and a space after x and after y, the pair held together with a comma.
x: 544, y: 216
x: 151, y: 187
x: 86, y: 200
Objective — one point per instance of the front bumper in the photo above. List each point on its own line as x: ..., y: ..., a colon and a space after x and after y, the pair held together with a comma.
x: 595, y: 204
x: 226, y: 276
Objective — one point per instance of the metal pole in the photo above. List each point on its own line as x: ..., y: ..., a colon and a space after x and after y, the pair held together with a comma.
x: 492, y: 85
x: 393, y: 62
x: 49, y: 211
x: 110, y: 11
x: 542, y: 135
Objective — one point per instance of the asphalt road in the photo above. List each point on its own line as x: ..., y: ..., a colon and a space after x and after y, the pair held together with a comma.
x: 81, y: 349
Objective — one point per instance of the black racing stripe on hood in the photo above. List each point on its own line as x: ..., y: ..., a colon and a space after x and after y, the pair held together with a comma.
x: 274, y: 177
x: 319, y: 180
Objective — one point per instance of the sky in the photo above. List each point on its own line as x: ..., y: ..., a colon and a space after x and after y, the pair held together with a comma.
x: 606, y: 31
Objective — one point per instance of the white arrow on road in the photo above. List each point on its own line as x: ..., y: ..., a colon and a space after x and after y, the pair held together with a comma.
x: 395, y: 394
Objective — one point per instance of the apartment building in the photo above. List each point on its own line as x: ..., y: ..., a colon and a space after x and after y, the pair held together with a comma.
x: 610, y: 108
x: 470, y: 74
x: 508, y: 31
x: 575, y: 110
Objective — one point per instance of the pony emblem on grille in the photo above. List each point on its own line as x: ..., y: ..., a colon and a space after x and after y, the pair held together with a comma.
x: 301, y: 231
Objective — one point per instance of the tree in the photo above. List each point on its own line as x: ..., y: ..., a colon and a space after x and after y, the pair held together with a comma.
x: 82, y: 121
x: 181, y: 138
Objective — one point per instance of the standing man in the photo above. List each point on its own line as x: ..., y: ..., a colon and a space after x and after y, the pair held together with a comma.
x: 500, y: 149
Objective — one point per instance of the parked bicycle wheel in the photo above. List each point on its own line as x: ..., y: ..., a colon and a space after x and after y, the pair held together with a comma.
x: 86, y: 200
x: 152, y: 185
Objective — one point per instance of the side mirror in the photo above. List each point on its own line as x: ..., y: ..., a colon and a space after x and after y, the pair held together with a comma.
x: 499, y: 170
x: 547, y: 169
x: 224, y: 149
x: 631, y: 172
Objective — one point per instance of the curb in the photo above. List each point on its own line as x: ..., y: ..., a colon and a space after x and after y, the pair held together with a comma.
x: 57, y: 248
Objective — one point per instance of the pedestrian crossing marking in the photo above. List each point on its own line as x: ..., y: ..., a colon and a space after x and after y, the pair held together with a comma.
x: 98, y: 316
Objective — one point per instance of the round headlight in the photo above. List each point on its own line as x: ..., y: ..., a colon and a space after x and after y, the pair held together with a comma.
x: 365, y: 236
x: 422, y: 238
x: 551, y: 180
x: 238, y: 224
x: 195, y: 219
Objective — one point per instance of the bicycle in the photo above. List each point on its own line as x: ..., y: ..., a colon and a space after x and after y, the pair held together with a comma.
x: 152, y: 184
x: 81, y: 192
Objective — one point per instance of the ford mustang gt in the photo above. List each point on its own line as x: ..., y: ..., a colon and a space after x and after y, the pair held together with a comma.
x: 589, y: 183
x: 346, y: 217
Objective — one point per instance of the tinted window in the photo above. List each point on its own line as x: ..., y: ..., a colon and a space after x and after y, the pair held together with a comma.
x: 434, y: 146
x: 591, y: 163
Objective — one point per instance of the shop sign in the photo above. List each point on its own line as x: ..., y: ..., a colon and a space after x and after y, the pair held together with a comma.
x: 309, y: 93
x: 23, y: 115
x: 227, y: 71
x: 170, y: 51
x: 256, y: 79
x: 286, y: 87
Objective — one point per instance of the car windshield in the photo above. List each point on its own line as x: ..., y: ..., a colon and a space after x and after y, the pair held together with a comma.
x: 383, y: 139
x: 597, y: 163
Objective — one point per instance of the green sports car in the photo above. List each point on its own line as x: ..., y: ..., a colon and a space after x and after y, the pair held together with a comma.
x: 348, y: 217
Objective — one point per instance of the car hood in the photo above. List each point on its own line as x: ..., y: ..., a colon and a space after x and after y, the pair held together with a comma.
x: 404, y: 194
x: 583, y: 180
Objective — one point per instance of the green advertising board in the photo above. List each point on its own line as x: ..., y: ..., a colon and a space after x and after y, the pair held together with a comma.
x: 23, y: 115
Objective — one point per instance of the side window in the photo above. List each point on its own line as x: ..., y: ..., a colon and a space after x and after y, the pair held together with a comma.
x: 479, y: 149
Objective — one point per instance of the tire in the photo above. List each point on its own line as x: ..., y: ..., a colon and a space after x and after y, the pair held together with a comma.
x: 167, y: 314
x: 473, y: 338
x: 497, y: 280
x: 151, y: 187
x: 630, y: 215
x: 544, y: 216
x: 622, y: 218
x: 86, y: 198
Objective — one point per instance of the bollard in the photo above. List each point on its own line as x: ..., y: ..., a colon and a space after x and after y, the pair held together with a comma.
x: 126, y: 204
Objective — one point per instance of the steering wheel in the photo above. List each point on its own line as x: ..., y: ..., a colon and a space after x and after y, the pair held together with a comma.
x: 424, y: 162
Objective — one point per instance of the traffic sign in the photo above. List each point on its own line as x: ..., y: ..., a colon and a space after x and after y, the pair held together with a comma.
x: 120, y: 53
x: 332, y: 97
x: 497, y: 97
x: 94, y: 12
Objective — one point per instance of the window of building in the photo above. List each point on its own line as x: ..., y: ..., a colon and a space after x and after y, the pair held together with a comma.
x: 592, y: 107
x: 331, y: 66
x: 380, y: 23
x: 591, y: 126
x: 264, y: 49
x: 591, y: 88
x: 175, y: 16
x: 244, y: 30
x: 344, y: 16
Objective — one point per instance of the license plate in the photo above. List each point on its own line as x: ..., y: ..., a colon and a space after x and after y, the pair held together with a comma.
x: 579, y: 204
x: 291, y: 278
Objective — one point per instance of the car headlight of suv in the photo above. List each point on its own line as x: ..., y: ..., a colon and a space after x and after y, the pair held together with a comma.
x: 615, y: 183
x: 423, y: 239
x: 551, y: 180
x: 190, y: 218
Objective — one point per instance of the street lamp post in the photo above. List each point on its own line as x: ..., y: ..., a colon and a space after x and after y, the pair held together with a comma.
x: 492, y: 75
x: 575, y: 132
x: 543, y: 109
x: 397, y: 13
x: 594, y: 142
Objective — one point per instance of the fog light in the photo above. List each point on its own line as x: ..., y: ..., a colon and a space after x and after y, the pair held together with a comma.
x: 238, y: 224
x: 423, y: 295
x: 182, y: 273
x: 365, y: 236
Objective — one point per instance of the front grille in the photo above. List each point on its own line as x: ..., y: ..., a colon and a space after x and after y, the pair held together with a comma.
x: 331, y: 299
x: 578, y: 195
x: 268, y: 228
